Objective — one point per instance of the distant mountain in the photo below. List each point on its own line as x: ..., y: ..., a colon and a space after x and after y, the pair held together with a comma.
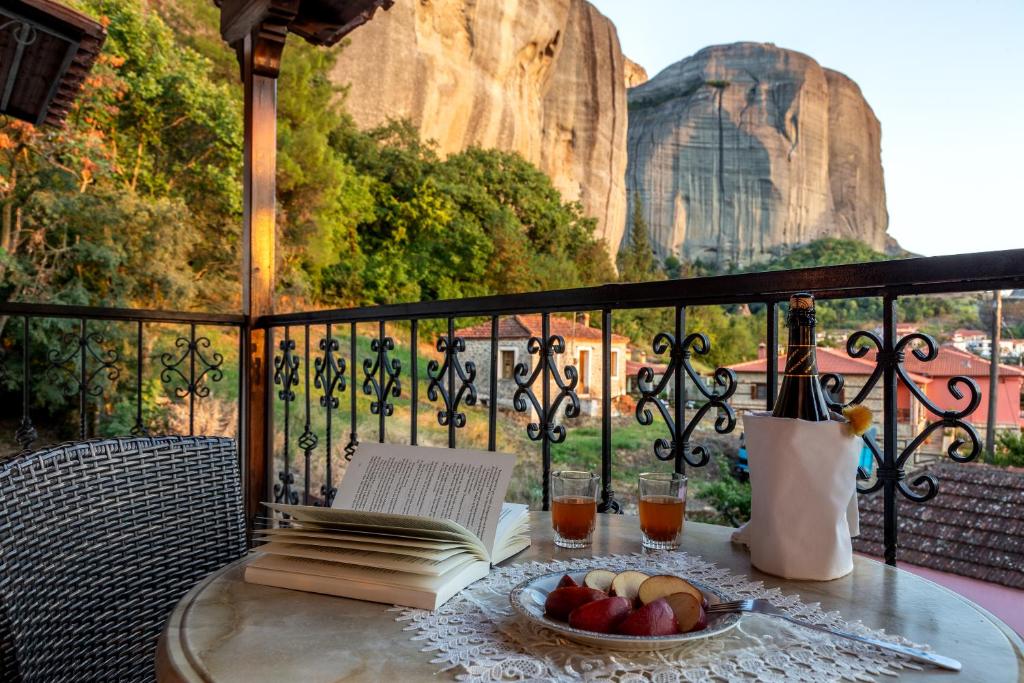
x: 742, y: 150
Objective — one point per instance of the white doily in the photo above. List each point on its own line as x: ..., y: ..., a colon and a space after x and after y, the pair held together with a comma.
x: 478, y: 637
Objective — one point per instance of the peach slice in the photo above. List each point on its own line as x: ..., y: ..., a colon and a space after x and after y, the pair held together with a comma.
x: 627, y: 584
x: 561, y: 601
x: 601, y: 616
x: 690, y: 616
x: 664, y: 585
x: 653, y: 619
x: 567, y: 581
x: 601, y: 579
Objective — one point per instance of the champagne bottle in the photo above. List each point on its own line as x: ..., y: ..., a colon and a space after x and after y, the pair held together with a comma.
x: 800, y: 395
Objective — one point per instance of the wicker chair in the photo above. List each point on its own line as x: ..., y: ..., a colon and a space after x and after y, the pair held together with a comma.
x: 99, y: 540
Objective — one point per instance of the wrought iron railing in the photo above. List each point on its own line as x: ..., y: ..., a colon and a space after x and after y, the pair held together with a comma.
x: 325, y: 376
x: 90, y: 355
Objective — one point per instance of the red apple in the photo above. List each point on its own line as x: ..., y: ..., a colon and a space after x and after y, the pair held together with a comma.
x: 689, y: 614
x: 601, y: 616
x: 601, y: 579
x: 665, y: 585
x: 566, y: 581
x: 627, y: 584
x: 561, y: 601
x: 653, y: 619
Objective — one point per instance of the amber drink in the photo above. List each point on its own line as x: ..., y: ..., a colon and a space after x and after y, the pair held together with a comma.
x: 662, y: 509
x: 573, y: 507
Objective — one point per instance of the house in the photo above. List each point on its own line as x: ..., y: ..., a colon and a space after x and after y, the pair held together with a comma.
x: 932, y: 378
x: 582, y: 350
x: 964, y: 337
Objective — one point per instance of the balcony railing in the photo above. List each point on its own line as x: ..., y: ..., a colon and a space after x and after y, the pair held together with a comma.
x: 337, y: 374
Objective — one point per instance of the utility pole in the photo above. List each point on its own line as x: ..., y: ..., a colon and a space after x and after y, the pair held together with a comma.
x: 993, y: 375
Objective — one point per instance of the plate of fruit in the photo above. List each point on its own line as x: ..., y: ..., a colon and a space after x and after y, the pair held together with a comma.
x: 627, y: 610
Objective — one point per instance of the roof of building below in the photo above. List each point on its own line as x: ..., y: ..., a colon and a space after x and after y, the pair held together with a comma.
x: 829, y: 361
x: 950, y: 362
x: 633, y: 367
x: 526, y: 326
x: 973, y: 527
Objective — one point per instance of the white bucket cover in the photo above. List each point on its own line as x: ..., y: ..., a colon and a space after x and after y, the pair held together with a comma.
x: 803, y: 497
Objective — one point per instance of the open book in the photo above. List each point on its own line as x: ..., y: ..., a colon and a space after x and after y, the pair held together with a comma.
x: 410, y: 525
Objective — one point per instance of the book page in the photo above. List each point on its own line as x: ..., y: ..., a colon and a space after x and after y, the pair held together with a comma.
x: 464, y: 486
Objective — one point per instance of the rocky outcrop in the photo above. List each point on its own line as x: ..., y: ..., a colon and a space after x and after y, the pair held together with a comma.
x: 540, y: 77
x: 743, y: 149
x: 635, y: 74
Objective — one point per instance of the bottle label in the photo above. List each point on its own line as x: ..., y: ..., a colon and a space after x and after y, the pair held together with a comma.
x: 801, y: 361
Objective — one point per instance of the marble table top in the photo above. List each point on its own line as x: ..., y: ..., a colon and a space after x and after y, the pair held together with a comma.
x: 227, y: 631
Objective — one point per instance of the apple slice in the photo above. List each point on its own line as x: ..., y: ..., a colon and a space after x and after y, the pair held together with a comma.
x: 601, y: 579
x: 664, y: 585
x: 561, y: 601
x: 601, y: 616
x: 690, y: 616
x: 567, y: 581
x: 627, y: 584
x: 653, y: 619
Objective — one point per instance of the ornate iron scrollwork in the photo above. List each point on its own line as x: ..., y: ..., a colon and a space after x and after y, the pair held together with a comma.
x: 329, y: 373
x: 449, y: 414
x: 389, y: 385
x: 953, y: 419
x: 191, y: 350
x: 62, y: 369
x: 286, y: 370
x: 286, y: 374
x: 833, y: 385
x: 650, y: 393
x: 329, y: 378
x: 524, y: 398
x: 75, y: 377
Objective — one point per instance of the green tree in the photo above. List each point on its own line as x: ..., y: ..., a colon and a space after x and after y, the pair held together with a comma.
x: 636, y: 261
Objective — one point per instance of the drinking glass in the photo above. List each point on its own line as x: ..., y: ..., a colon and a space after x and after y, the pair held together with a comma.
x: 573, y: 507
x: 662, y: 507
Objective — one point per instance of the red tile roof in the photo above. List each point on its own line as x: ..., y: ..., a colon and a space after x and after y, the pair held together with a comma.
x: 969, y: 332
x: 526, y: 326
x: 829, y: 360
x: 952, y: 361
x: 973, y: 527
x: 633, y: 367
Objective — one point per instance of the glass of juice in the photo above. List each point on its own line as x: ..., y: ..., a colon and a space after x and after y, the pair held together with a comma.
x: 573, y: 507
x: 662, y: 507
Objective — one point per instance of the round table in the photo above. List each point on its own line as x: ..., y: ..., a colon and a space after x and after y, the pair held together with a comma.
x: 225, y: 630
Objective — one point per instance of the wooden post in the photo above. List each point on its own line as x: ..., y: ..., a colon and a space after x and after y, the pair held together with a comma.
x: 259, y: 55
x: 993, y: 376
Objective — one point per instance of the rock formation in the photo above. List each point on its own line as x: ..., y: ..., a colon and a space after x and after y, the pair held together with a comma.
x: 743, y: 149
x: 540, y: 77
x: 635, y: 74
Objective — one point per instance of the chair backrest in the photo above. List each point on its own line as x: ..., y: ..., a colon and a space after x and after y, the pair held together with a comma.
x: 98, y: 542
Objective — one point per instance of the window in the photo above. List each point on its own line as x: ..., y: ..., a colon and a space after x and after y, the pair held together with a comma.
x: 615, y: 364
x: 584, y: 371
x: 759, y: 391
x: 508, y: 363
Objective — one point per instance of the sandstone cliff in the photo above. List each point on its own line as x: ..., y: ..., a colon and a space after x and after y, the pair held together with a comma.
x: 742, y: 149
x: 635, y: 74
x: 540, y: 77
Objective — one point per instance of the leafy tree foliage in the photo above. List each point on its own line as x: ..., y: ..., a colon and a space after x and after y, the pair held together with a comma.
x: 636, y: 261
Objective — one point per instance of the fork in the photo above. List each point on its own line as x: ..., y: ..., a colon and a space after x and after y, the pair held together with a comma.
x: 760, y: 606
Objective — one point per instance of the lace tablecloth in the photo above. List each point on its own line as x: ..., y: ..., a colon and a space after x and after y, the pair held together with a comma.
x: 476, y: 636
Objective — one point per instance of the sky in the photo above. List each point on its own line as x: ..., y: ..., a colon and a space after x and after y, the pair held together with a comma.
x: 946, y: 80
